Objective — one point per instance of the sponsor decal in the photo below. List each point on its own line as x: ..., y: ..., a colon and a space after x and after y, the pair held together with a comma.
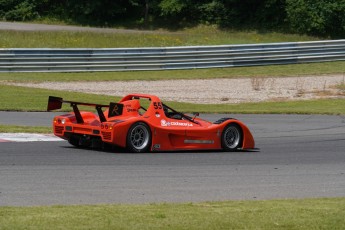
x: 164, y: 123
x: 115, y: 109
x: 198, y: 141
x: 175, y: 123
x: 130, y: 109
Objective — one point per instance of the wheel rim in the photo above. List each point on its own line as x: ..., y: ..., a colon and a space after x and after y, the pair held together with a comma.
x: 139, y: 137
x: 232, y: 137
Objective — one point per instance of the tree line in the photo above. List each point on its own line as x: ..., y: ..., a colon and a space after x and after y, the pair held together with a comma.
x: 321, y: 18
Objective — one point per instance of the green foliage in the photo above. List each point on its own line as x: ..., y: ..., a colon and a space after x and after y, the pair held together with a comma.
x: 172, y: 7
x: 213, y: 12
x: 18, y: 11
x: 323, y: 17
x: 101, y: 12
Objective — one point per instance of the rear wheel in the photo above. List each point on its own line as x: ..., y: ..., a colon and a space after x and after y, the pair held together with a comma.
x: 74, y: 140
x: 139, y: 138
x: 232, y: 137
x: 81, y: 141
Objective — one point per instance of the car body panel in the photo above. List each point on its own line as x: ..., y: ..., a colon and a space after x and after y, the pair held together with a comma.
x: 168, y: 134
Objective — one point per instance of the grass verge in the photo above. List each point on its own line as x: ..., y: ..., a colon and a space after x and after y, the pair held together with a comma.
x: 254, y: 71
x: 24, y: 129
x: 200, y: 35
x: 321, y: 106
x: 275, y: 214
x: 15, y: 98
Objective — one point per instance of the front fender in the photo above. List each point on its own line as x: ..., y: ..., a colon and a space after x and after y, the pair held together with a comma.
x: 248, y: 139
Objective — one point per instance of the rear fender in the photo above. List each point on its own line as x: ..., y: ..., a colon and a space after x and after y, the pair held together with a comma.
x: 120, y: 130
x: 88, y: 117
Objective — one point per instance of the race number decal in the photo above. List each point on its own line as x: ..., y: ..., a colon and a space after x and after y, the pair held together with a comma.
x: 157, y: 105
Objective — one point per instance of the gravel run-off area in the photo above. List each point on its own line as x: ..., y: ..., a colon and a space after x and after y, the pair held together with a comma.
x: 215, y: 91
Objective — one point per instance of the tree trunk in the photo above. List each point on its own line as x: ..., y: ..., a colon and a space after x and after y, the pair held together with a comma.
x: 146, y: 12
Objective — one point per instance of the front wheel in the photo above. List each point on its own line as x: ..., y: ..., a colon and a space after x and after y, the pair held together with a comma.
x: 232, y: 137
x: 139, y: 138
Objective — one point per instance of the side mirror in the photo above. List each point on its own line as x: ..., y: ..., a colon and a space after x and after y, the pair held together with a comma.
x: 196, y: 114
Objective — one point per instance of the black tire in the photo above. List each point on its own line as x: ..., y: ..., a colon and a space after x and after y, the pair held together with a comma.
x: 139, y: 138
x: 232, y: 137
x: 74, y: 140
x: 80, y: 141
x: 107, y: 146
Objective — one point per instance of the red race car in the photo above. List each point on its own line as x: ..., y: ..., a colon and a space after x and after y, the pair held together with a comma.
x: 143, y: 123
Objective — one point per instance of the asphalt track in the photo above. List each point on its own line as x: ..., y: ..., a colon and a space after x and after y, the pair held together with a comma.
x: 300, y: 156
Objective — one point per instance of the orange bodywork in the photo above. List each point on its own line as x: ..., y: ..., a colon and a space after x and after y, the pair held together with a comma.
x: 168, y: 134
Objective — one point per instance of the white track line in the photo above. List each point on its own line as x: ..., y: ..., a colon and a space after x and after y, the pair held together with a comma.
x: 27, y: 137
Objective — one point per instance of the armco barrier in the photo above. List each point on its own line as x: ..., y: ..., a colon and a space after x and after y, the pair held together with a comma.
x: 186, y: 57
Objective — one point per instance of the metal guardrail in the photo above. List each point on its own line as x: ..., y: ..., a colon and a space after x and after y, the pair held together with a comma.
x: 168, y: 58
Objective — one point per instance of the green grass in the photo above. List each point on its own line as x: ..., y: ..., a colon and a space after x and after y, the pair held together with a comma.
x: 255, y: 71
x: 201, y: 35
x: 24, y: 129
x: 276, y: 214
x: 320, y: 106
x: 15, y: 98
x: 29, y: 99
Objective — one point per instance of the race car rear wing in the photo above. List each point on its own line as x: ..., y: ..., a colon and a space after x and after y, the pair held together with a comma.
x: 55, y: 103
